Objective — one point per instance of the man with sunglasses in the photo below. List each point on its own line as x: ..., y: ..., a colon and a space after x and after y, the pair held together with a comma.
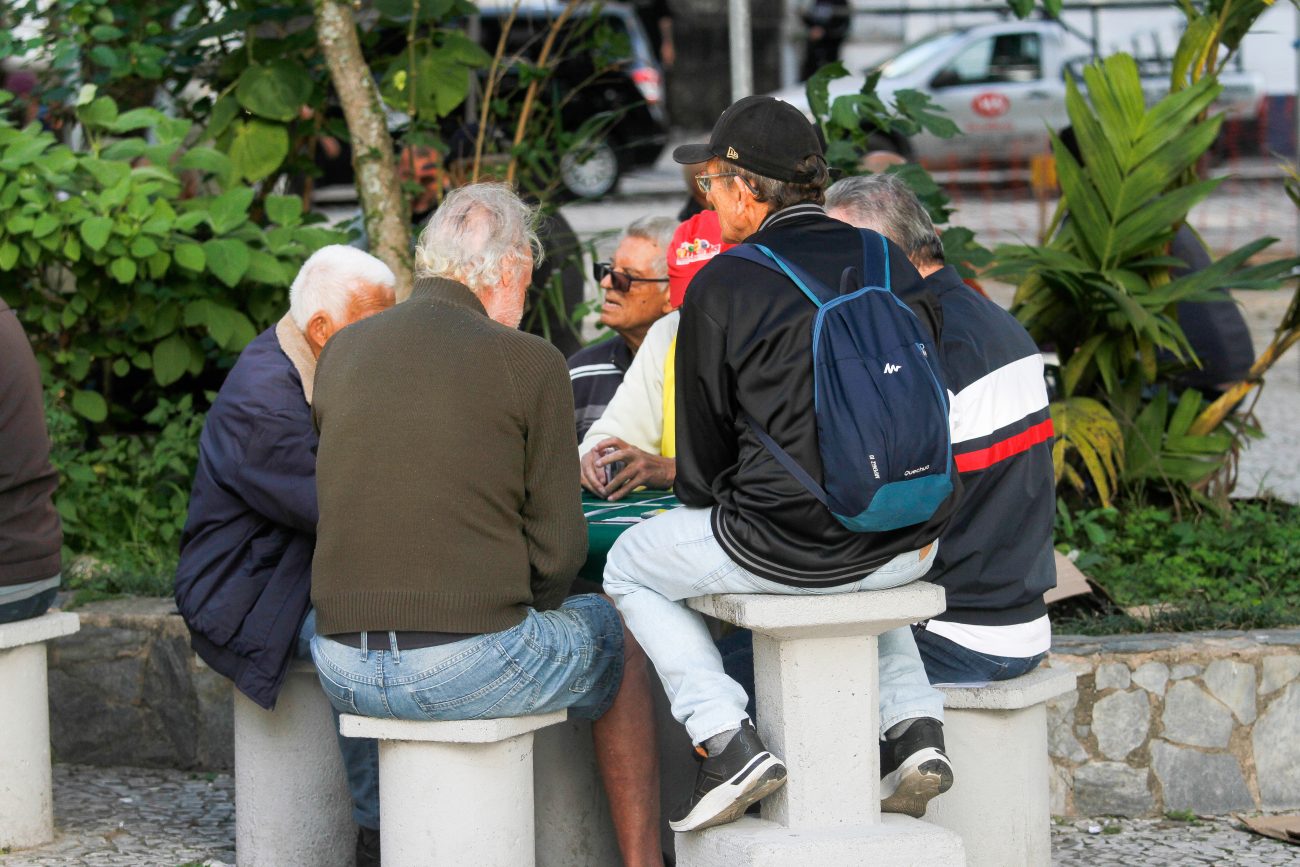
x: 744, y: 350
x: 635, y: 286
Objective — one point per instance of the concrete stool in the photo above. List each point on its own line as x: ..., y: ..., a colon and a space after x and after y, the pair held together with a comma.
x: 292, y: 804
x: 571, y: 812
x: 996, y: 736
x: 455, y: 792
x: 26, y: 785
x: 816, y: 673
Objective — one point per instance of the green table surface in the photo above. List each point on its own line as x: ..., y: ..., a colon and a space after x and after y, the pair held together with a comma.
x: 606, y: 521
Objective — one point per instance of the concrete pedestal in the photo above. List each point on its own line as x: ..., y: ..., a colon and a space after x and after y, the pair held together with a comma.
x: 572, y: 814
x: 292, y: 804
x: 816, y: 678
x: 26, y: 797
x: 996, y: 737
x: 455, y: 792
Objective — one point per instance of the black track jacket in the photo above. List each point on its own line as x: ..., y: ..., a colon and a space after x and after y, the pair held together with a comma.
x: 745, y: 345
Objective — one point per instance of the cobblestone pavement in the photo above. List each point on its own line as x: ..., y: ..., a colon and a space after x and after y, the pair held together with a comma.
x: 134, y: 817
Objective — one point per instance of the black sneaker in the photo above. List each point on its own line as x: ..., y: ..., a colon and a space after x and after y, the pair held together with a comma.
x: 367, y: 847
x: 914, y: 768
x: 729, y: 782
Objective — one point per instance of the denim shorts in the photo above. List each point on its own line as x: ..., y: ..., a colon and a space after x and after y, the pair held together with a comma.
x: 571, y: 657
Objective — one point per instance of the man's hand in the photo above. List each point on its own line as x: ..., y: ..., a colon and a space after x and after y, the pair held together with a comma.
x: 639, y: 468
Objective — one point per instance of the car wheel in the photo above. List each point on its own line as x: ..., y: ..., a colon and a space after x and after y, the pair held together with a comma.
x: 589, y: 170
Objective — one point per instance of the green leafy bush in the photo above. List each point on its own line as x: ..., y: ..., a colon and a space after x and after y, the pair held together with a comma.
x: 123, y: 501
x: 130, y: 287
x: 1237, y: 569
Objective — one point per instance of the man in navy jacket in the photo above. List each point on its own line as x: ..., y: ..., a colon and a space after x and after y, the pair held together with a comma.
x: 244, y: 577
x: 995, y: 559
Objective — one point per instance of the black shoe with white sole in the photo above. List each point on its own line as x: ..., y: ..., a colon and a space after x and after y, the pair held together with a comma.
x: 914, y: 768
x: 729, y: 782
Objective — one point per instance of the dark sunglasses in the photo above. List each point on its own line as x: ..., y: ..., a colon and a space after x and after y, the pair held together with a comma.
x: 620, y: 281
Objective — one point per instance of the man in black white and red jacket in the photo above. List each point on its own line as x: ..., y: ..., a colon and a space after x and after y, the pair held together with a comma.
x: 995, y: 558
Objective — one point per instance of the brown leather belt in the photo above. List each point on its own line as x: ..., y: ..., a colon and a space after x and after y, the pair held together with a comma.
x: 405, y: 640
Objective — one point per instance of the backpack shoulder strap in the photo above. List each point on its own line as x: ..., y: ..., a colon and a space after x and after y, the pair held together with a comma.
x: 790, y: 464
x: 760, y: 255
x: 875, y: 260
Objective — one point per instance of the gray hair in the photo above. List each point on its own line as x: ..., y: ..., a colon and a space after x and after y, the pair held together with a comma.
x: 658, y: 231
x: 886, y: 204
x: 478, y: 233
x: 328, y: 280
x: 782, y: 194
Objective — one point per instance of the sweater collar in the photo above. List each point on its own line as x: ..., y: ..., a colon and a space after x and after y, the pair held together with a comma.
x: 293, y: 343
x: 446, y: 291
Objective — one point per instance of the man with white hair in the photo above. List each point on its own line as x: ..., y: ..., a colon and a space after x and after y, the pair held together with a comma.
x: 245, y: 565
x: 451, y: 529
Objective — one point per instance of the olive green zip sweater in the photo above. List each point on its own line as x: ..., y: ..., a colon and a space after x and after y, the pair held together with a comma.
x: 446, y: 475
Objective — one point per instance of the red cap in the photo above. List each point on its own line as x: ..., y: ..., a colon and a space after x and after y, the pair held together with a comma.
x: 695, y: 242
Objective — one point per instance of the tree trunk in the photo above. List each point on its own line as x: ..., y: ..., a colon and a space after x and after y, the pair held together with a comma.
x: 383, y: 206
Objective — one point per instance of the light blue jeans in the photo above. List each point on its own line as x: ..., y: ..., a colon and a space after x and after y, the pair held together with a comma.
x: 672, y: 557
x: 567, y: 658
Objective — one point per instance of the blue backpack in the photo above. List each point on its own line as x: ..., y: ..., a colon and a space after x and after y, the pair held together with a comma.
x: 881, y: 405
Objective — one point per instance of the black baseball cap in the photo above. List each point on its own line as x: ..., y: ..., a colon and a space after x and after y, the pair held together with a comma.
x: 764, y: 135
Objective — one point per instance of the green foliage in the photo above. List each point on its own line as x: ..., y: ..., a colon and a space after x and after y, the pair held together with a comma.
x: 1101, y: 290
x: 126, y: 284
x: 853, y: 125
x: 1243, y: 559
x: 123, y: 501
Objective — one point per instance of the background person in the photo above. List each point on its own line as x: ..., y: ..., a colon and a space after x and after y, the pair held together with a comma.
x: 450, y: 527
x: 635, y: 288
x: 242, y: 583
x: 31, y: 535
x: 637, y: 431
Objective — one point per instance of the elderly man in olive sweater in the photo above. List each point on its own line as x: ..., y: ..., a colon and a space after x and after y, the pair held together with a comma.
x: 450, y: 525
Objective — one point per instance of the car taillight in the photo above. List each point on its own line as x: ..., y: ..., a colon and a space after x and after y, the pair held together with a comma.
x: 649, y: 82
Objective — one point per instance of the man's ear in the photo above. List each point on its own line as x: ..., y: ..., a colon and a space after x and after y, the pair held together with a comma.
x: 320, y: 328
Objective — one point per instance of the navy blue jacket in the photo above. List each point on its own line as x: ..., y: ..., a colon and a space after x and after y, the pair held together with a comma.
x: 245, y: 568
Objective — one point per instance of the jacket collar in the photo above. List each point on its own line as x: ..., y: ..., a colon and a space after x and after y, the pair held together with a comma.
x: 445, y: 291
x: 293, y: 343
x: 803, y: 209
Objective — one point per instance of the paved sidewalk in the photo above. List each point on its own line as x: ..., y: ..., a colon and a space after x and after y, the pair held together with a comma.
x: 134, y: 817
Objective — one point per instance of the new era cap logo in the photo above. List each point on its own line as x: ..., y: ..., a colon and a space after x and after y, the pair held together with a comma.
x: 731, y: 154
x: 892, y: 368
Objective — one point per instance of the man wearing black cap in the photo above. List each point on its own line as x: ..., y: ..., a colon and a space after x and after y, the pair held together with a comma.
x: 743, y: 358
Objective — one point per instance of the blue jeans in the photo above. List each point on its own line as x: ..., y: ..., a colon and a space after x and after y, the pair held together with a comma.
x: 672, y: 557
x: 571, y: 657
x: 25, y: 609
x: 946, y: 661
x: 360, y: 755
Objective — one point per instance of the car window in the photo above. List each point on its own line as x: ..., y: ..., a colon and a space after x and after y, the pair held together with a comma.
x: 918, y: 54
x: 1008, y: 57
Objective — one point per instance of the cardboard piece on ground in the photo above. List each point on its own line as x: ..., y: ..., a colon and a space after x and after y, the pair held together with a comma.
x: 1069, y: 581
x: 1284, y: 828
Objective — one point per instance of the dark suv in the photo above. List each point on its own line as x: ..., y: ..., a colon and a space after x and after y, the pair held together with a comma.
x: 620, y: 102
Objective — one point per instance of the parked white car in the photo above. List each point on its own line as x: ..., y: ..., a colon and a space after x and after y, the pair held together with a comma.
x: 1003, y: 84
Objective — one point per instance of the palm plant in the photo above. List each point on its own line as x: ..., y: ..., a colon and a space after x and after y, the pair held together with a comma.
x: 1101, y: 289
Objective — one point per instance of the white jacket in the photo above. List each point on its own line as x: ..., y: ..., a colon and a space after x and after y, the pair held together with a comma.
x: 636, y: 412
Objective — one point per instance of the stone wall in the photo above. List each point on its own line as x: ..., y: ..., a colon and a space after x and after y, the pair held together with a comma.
x: 1202, y: 722
x: 127, y: 690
